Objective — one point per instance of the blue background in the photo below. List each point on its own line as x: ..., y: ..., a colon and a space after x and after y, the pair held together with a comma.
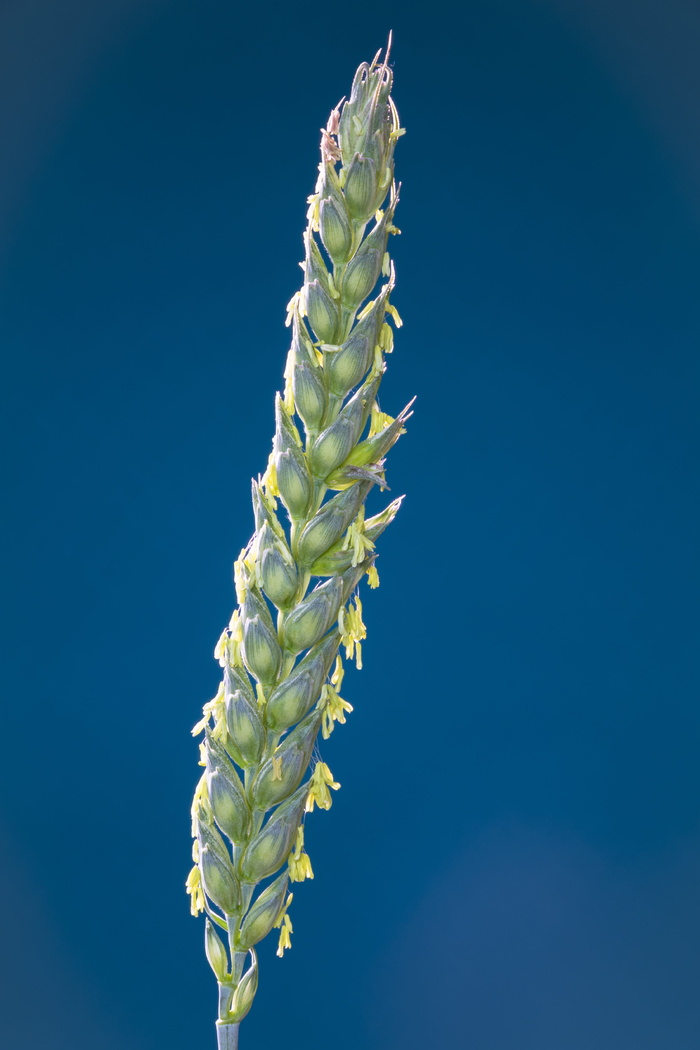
x: 514, y: 858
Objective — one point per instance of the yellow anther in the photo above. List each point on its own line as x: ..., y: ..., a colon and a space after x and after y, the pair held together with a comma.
x: 299, y: 862
x: 268, y: 481
x: 365, y: 310
x: 240, y: 577
x: 321, y: 781
x: 378, y: 362
x: 352, y: 631
x: 285, y: 940
x: 216, y: 709
x: 395, y: 314
x: 372, y: 577
x: 379, y: 420
x: 199, y: 804
x: 386, y: 338
x: 333, y: 710
x: 338, y: 672
x: 300, y: 868
x: 313, y: 213
x: 221, y: 650
x: 288, y: 395
x: 357, y: 539
x: 293, y: 304
x: 194, y: 888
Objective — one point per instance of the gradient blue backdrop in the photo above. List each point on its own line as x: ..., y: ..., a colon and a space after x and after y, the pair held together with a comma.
x: 513, y: 861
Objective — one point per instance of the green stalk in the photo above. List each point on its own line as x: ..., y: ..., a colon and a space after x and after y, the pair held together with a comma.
x: 227, y: 1036
x: 280, y: 654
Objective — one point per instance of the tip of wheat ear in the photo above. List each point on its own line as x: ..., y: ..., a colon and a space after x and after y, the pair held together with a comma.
x: 299, y: 613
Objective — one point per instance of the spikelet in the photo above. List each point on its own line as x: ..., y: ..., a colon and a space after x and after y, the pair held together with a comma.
x: 282, y: 668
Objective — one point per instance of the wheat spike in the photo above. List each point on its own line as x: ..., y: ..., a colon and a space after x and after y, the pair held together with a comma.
x: 281, y: 653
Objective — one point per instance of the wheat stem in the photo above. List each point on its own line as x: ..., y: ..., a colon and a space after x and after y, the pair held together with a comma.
x: 227, y: 1036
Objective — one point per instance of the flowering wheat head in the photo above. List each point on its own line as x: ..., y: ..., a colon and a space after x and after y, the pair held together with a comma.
x: 282, y: 652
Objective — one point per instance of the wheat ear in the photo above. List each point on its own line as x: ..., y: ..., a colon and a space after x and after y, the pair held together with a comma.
x: 282, y: 668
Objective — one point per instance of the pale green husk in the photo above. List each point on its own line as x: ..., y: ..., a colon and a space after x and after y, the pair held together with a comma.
x: 284, y: 638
